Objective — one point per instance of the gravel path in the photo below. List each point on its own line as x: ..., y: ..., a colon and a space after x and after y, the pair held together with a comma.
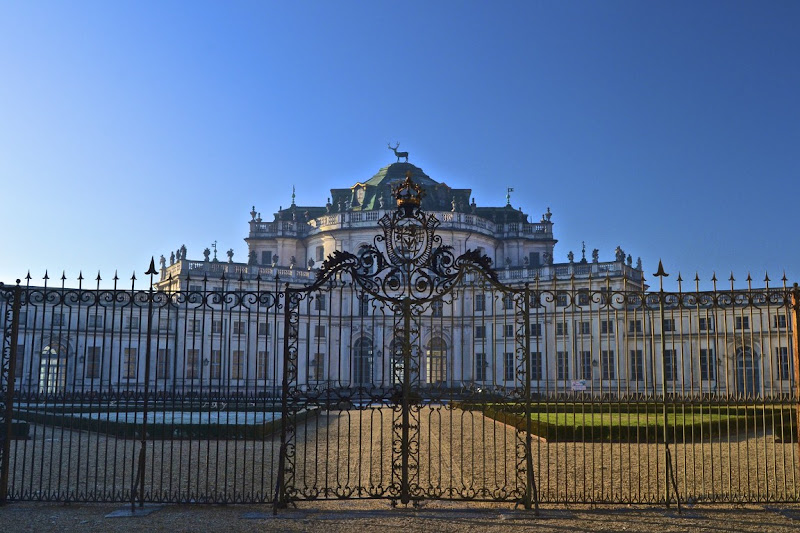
x: 372, y: 515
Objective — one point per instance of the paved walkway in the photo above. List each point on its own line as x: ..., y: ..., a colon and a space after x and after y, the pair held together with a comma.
x: 336, y: 517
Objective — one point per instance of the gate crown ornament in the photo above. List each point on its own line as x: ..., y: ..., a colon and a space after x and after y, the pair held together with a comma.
x: 408, y: 194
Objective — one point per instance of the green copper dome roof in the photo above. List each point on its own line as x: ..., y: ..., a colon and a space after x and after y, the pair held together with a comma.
x: 369, y: 195
x: 376, y: 193
x: 397, y: 172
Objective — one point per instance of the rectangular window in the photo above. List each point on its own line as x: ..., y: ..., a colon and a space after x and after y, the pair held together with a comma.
x: 162, y: 363
x: 536, y: 330
x: 533, y: 259
x: 583, y: 299
x: 192, y: 363
x: 263, y: 329
x: 194, y: 326
x: 480, y: 367
x: 586, y: 327
x: 784, y: 363
x: 320, y: 303
x: 508, y: 302
x: 262, y: 364
x: 216, y: 326
x: 195, y: 288
x: 238, y: 327
x: 320, y: 253
x: 238, y: 364
x: 706, y: 324
x: 508, y: 330
x: 586, y: 365
x: 216, y: 364
x: 480, y: 332
x: 23, y: 318
x: 319, y: 331
x: 707, y: 365
x: 742, y: 322
x: 480, y: 302
x: 562, y: 365
x: 634, y: 326
x: 636, y: 367
x: 670, y: 365
x: 129, y: 363
x: 363, y: 305
x: 536, y: 366
x: 95, y: 321
x: 19, y: 368
x: 668, y: 325
x: 606, y: 327
x: 779, y: 321
x: 132, y: 322
x: 562, y: 329
x: 508, y: 366
x: 94, y: 361
x: 164, y: 324
x: 561, y: 299
x: 607, y: 364
x: 58, y: 320
x: 437, y: 308
x: 316, y: 368
x: 266, y: 257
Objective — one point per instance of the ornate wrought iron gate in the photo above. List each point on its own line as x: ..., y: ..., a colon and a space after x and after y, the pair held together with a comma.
x: 382, y: 346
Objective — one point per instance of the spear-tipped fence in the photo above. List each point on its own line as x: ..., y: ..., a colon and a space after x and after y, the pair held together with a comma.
x: 619, y: 395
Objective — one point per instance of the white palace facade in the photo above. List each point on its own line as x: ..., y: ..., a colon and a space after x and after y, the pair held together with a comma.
x: 592, y: 326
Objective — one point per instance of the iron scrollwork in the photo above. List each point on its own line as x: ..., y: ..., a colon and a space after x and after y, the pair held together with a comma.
x: 408, y: 260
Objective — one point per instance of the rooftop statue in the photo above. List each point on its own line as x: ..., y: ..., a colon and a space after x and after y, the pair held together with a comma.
x: 399, y: 154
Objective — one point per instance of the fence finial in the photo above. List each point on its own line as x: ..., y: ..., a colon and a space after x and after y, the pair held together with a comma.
x: 152, y: 270
x: 660, y: 273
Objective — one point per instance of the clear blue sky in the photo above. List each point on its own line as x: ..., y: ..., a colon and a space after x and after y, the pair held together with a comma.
x: 669, y: 128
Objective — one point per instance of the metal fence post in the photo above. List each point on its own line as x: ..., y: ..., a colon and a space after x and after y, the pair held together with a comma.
x: 7, y: 380
x: 795, y: 308
x: 280, y: 485
x: 531, y: 495
x: 669, y: 473
x: 405, y: 447
x: 138, y: 484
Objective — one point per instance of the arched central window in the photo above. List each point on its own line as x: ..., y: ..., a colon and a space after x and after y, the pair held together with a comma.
x: 362, y: 361
x: 53, y: 369
x: 436, y: 361
x: 748, y: 379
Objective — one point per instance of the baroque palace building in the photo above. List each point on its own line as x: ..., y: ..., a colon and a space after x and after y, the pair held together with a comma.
x: 592, y: 327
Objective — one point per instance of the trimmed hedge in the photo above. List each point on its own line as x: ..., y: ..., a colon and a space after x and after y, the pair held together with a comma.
x: 155, y: 431
x: 693, y: 425
x: 19, y: 430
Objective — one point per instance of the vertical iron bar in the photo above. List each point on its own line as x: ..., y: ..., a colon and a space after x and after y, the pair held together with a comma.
x: 405, y: 450
x: 9, y: 399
